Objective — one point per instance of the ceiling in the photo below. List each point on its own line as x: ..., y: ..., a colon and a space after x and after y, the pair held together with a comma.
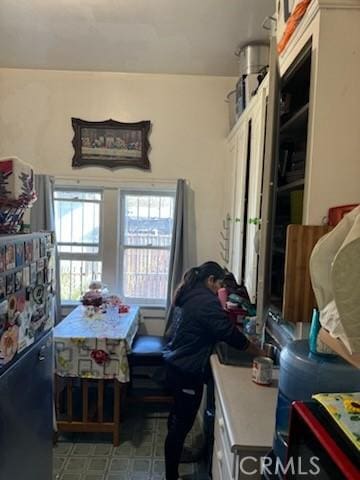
x: 145, y: 36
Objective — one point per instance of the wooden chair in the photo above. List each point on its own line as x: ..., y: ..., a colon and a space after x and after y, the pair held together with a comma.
x: 147, y: 351
x: 92, y: 416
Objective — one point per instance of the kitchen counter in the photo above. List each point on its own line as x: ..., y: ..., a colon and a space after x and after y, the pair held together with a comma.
x: 248, y: 409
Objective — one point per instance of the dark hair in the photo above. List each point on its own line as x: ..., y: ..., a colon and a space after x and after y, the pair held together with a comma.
x: 230, y: 281
x: 196, y: 276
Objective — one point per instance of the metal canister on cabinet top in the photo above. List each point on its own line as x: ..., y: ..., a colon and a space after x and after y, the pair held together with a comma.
x: 262, y: 370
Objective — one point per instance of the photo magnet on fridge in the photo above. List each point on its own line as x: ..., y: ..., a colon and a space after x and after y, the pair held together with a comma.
x: 18, y: 280
x: 19, y: 254
x: 12, y: 306
x: 36, y: 249
x: 3, y: 322
x: 28, y: 251
x: 42, y: 247
x: 28, y: 295
x: 10, y: 283
x: 26, y: 276
x: 2, y: 258
x: 2, y: 287
x: 40, y: 277
x: 20, y: 301
x: 32, y: 273
x: 47, y: 275
x: 10, y: 256
x: 40, y: 264
x: 48, y: 240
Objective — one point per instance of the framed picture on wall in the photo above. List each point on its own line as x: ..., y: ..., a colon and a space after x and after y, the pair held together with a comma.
x: 111, y: 144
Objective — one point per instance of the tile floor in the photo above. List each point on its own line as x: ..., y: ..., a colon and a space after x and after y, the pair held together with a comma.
x: 140, y: 455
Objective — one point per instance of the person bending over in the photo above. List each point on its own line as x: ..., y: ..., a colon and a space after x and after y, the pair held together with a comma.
x: 199, y: 322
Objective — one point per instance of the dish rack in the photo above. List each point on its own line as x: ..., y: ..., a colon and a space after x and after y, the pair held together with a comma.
x: 12, y: 212
x: 225, y: 239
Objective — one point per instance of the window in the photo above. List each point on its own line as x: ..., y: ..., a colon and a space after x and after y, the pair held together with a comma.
x: 77, y: 225
x: 121, y: 237
x: 146, y: 228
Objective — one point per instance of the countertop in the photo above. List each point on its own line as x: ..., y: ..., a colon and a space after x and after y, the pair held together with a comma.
x: 249, y: 409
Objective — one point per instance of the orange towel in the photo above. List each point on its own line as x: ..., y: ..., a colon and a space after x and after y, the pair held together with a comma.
x: 292, y: 23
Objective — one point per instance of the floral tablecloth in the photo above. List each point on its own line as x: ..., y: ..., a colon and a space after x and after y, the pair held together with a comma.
x: 95, y: 347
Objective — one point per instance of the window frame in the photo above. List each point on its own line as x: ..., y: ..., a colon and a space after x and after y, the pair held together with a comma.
x: 76, y: 256
x: 122, y: 247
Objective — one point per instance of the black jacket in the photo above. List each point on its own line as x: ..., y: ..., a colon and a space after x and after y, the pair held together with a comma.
x: 201, y: 323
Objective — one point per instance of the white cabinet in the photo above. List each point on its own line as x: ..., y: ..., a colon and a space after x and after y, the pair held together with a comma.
x: 229, y: 463
x: 216, y: 463
x: 324, y: 103
x: 238, y: 205
x: 224, y: 460
x: 246, y: 146
x: 332, y: 157
x: 244, y: 422
x: 256, y: 121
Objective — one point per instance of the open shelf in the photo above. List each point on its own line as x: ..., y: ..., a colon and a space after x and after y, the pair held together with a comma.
x: 291, y: 186
x: 297, y: 122
x: 289, y: 178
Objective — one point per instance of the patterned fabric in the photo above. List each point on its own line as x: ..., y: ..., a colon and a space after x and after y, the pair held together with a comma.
x: 95, y: 347
x: 344, y: 408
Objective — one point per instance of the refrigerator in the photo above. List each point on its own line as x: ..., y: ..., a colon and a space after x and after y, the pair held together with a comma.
x: 27, y: 311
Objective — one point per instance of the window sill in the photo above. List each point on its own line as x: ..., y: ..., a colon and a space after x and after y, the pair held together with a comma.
x: 72, y: 304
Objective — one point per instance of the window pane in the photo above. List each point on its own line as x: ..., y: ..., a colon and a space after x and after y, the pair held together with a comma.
x: 75, y: 277
x: 77, y: 195
x: 68, y: 248
x: 77, y: 222
x: 148, y: 220
x: 146, y: 273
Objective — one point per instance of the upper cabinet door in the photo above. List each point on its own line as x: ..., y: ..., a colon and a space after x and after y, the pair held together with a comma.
x: 236, y: 245
x: 228, y: 203
x: 256, y: 160
x: 269, y: 175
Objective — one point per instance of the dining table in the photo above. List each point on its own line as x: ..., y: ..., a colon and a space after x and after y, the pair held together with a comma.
x: 91, y: 348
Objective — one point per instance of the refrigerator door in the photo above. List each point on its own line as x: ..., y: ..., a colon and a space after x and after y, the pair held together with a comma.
x: 26, y: 409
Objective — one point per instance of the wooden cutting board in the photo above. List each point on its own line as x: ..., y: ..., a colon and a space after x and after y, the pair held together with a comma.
x: 298, y: 297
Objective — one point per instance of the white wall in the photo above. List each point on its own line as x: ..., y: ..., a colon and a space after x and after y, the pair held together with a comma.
x: 189, y: 125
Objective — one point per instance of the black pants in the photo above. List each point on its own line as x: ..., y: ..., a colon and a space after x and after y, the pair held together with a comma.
x: 187, y: 394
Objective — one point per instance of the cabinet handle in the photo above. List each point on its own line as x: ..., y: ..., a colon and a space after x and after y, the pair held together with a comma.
x: 237, y: 219
x: 221, y: 423
x: 255, y: 221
